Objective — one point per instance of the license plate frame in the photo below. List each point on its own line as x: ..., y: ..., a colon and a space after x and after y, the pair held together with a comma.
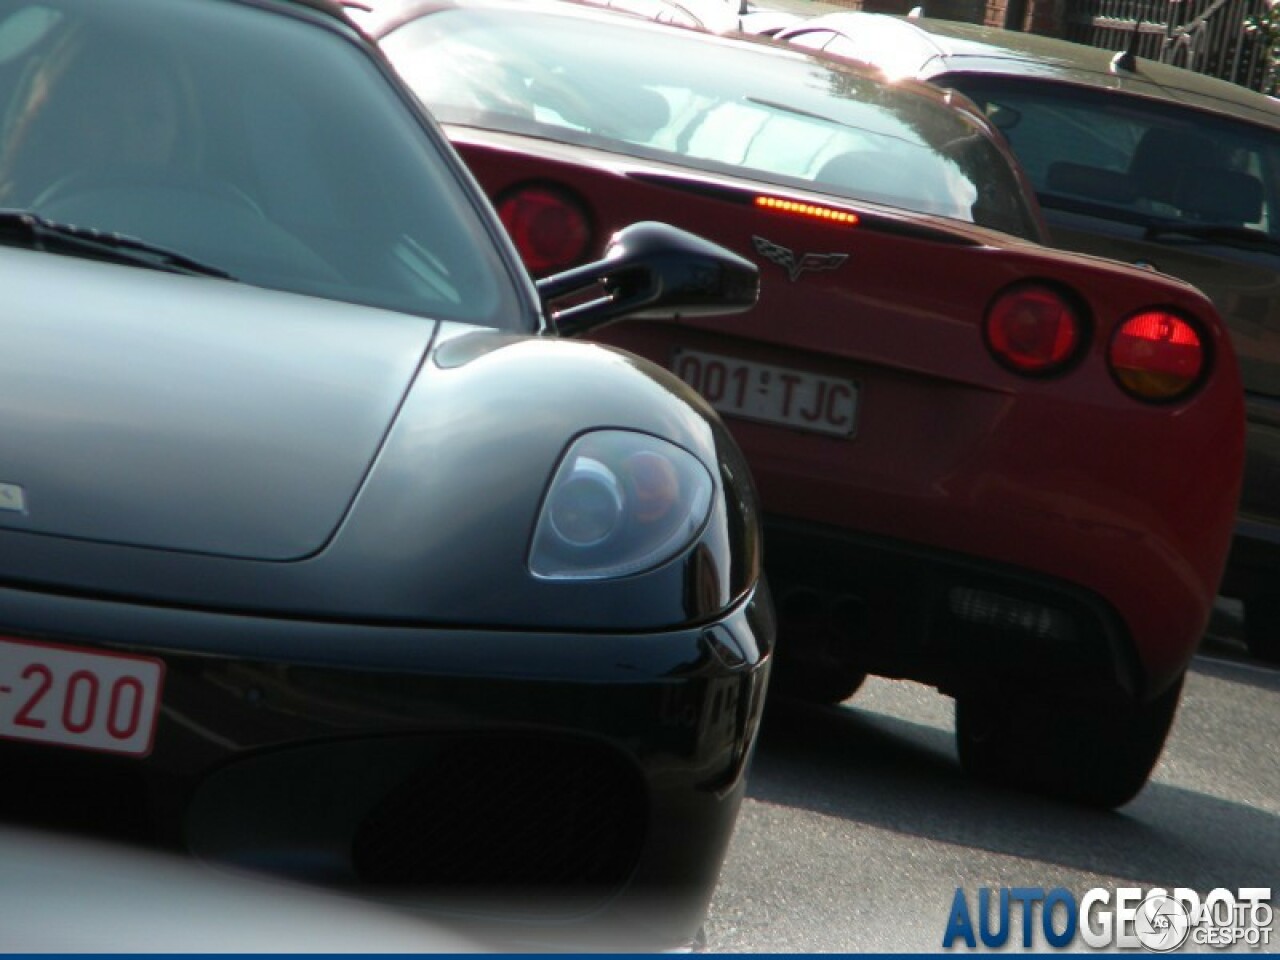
x: 67, y: 696
x: 769, y: 393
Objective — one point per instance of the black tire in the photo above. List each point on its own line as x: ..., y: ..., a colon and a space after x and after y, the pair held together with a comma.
x: 1262, y: 628
x: 817, y: 641
x: 824, y: 682
x: 1092, y: 752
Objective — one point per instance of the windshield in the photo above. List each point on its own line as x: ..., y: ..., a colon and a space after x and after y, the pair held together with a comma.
x: 254, y: 144
x: 721, y: 105
x: 1136, y: 161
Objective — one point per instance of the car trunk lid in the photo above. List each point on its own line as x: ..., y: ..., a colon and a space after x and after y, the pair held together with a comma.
x: 828, y: 287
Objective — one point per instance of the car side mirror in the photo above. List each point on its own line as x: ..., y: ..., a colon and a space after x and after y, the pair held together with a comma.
x: 650, y: 269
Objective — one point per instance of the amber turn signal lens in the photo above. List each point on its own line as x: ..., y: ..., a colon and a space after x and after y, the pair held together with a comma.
x: 654, y: 484
x: 1157, y: 355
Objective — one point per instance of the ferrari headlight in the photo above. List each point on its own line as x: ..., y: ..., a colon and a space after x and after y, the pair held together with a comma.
x: 619, y: 503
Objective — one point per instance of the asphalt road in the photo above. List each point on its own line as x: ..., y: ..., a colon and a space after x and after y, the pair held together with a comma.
x: 859, y: 826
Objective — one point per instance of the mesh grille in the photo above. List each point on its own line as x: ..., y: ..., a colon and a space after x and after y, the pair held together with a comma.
x: 508, y: 814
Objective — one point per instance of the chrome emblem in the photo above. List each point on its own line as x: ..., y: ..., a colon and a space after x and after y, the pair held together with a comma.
x: 786, y: 259
x: 13, y: 498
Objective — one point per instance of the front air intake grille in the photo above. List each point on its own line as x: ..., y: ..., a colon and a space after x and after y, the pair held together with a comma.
x: 508, y: 814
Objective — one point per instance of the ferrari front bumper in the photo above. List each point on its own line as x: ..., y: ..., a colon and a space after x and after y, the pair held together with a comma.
x: 579, y: 788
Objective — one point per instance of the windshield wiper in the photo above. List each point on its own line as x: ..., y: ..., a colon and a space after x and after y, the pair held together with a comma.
x: 1211, y: 233
x: 1155, y: 230
x: 27, y: 229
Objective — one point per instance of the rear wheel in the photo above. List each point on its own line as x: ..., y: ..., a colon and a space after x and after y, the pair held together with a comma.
x: 817, y: 642
x: 1099, y: 753
x: 1262, y: 627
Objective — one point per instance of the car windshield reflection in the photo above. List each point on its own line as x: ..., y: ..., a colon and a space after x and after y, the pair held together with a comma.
x: 242, y: 142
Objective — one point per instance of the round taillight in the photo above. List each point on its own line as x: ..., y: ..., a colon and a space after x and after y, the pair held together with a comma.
x: 548, y: 227
x: 1034, y: 329
x: 1157, y: 355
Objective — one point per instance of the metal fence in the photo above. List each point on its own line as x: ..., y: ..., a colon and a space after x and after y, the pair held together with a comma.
x: 1207, y: 36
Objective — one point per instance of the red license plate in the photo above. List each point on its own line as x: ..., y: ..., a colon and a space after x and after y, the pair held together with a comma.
x: 70, y: 697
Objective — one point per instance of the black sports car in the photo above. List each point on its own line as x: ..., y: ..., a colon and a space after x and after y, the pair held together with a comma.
x: 321, y: 551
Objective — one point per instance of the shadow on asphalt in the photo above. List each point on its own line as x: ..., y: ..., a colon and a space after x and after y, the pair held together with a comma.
x: 898, y: 775
x: 1226, y: 664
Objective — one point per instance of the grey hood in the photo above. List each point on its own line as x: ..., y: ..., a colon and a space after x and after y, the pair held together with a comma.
x: 150, y: 409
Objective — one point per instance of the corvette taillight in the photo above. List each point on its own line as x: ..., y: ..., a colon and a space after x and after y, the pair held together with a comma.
x: 1035, y: 329
x: 1157, y: 355
x: 549, y: 227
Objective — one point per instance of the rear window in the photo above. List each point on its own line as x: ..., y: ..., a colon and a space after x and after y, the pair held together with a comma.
x: 776, y: 115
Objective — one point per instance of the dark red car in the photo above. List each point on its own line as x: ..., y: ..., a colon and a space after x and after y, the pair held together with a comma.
x: 1143, y: 162
x: 1004, y: 470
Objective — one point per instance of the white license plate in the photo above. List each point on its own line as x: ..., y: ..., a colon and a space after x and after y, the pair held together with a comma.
x: 780, y: 395
x: 50, y: 693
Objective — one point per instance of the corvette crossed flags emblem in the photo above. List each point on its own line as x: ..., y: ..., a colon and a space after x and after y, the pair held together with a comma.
x: 786, y: 258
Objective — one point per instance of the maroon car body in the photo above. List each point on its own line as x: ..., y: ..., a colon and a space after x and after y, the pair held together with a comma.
x: 1143, y: 162
x: 1004, y: 470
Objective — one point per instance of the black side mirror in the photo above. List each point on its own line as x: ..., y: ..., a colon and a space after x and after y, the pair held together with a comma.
x: 652, y: 269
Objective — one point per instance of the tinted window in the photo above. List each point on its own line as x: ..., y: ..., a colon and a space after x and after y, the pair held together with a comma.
x: 260, y: 144
x: 779, y: 116
x: 1135, y: 159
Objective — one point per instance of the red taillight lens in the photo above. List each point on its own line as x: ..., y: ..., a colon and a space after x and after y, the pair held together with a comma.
x: 1157, y: 355
x: 1034, y: 329
x: 549, y: 228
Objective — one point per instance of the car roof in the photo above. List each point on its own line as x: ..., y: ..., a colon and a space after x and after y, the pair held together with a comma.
x: 970, y: 48
x: 952, y: 47
x: 380, y: 17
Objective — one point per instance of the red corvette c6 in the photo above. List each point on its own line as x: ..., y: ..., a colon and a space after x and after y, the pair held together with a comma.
x: 1003, y: 470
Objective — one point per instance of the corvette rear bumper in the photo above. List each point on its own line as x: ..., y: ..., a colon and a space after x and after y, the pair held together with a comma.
x: 958, y: 622
x: 580, y: 789
x: 1066, y: 485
